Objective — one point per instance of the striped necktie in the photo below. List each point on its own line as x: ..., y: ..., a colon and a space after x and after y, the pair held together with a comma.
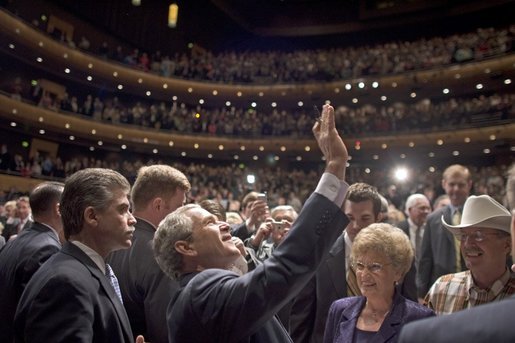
x: 114, y: 282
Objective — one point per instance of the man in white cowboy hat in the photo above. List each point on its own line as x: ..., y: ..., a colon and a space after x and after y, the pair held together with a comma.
x: 484, y: 232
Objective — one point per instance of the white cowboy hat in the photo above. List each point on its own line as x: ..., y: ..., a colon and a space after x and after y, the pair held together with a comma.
x: 484, y: 212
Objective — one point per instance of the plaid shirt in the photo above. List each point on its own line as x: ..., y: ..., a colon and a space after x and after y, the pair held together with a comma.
x: 455, y: 292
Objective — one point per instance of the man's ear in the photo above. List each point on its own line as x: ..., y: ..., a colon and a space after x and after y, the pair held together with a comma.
x: 379, y: 217
x: 90, y: 216
x: 157, y: 203
x: 185, y: 248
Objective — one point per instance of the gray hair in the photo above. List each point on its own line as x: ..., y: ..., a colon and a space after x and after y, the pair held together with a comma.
x: 284, y: 208
x: 177, y: 226
x: 88, y: 187
x: 385, y: 239
x: 412, y: 200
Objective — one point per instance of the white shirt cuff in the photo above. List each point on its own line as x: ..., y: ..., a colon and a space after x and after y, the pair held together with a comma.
x: 332, y: 188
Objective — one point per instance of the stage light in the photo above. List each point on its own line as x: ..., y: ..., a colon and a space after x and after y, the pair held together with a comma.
x: 401, y: 174
x: 173, y: 14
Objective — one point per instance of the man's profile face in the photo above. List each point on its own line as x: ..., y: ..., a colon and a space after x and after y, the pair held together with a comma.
x: 116, y: 222
x: 212, y: 240
x: 360, y: 214
x: 457, y: 187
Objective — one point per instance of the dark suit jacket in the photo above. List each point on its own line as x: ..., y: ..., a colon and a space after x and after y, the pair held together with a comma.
x: 217, y: 306
x: 404, y: 226
x: 308, y: 318
x: 146, y: 290
x: 20, y: 259
x: 344, y: 313
x: 438, y: 255
x: 69, y: 299
x: 11, y: 229
x: 482, y: 324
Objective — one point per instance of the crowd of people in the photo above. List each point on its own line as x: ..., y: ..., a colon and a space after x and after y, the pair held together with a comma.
x: 360, y: 275
x: 226, y: 182
x: 368, y: 119
x: 301, y: 66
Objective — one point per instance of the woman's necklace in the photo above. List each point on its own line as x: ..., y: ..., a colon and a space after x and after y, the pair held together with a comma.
x: 373, y: 317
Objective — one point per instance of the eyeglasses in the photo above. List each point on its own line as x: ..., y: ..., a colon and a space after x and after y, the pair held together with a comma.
x: 373, y: 267
x: 477, y: 236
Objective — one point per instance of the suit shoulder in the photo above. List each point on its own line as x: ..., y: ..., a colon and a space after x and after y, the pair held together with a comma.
x: 415, y: 310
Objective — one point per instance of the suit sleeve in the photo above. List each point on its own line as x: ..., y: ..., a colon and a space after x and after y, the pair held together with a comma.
x: 35, y: 261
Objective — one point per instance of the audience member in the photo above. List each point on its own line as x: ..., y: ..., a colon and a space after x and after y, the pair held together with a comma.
x: 22, y: 257
x: 20, y: 221
x: 272, y: 231
x: 254, y: 211
x: 73, y: 297
x: 381, y: 255
x: 440, y: 252
x: 485, y: 245
x: 146, y: 291
x: 482, y: 324
x: 191, y: 244
x: 417, y: 208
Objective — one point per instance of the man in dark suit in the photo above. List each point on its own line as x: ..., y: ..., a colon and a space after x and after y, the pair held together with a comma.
x: 22, y: 219
x: 215, y: 305
x: 71, y: 298
x: 417, y: 208
x: 309, y: 312
x: 482, y: 324
x: 146, y: 290
x: 439, y: 253
x: 22, y: 256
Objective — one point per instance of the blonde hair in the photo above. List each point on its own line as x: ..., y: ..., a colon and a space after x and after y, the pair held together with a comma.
x: 385, y: 239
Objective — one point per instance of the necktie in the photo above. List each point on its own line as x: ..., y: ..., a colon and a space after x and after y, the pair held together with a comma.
x: 418, y: 240
x: 352, y: 283
x: 113, y: 281
x: 456, y: 220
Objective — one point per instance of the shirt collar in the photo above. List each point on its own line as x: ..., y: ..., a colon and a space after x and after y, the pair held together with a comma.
x: 92, y: 254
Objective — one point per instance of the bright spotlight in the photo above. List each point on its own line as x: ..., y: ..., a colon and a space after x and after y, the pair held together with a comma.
x: 401, y: 174
x: 251, y: 178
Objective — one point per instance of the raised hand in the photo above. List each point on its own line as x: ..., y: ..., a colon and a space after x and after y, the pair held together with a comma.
x: 330, y: 143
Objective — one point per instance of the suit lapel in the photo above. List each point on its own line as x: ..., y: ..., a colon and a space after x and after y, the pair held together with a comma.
x: 71, y: 249
x: 392, y: 323
x: 349, y: 319
x: 448, y: 219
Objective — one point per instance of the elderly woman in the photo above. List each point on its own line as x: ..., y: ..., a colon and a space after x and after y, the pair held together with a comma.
x: 381, y: 255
